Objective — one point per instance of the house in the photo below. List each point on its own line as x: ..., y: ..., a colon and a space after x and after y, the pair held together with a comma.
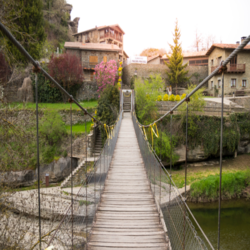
x: 154, y: 59
x: 92, y: 54
x: 237, y: 76
x: 111, y: 34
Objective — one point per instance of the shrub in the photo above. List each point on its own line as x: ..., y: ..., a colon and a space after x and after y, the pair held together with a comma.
x: 171, y: 98
x: 177, y: 98
x: 165, y: 97
x: 159, y: 98
x: 183, y: 96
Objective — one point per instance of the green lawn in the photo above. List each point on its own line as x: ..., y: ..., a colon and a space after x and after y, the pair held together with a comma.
x: 79, y: 128
x: 56, y: 106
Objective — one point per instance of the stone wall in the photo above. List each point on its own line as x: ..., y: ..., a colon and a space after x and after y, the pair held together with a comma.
x: 57, y: 170
x: 198, y: 73
x: 21, y: 117
x: 243, y: 101
x: 87, y: 91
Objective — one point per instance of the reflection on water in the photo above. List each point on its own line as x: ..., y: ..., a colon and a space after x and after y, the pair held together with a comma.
x: 235, y: 223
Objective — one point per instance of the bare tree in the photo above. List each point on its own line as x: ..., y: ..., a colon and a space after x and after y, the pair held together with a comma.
x: 209, y: 41
x: 198, y: 41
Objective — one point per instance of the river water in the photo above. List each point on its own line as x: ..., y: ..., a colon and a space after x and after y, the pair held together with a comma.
x: 235, y: 223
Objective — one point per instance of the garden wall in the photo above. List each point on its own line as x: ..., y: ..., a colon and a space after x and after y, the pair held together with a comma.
x: 198, y: 73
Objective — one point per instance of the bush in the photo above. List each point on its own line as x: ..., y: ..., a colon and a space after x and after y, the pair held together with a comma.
x: 165, y: 97
x: 177, y: 98
x: 183, y: 96
x: 171, y: 98
x: 108, y: 105
x: 159, y: 98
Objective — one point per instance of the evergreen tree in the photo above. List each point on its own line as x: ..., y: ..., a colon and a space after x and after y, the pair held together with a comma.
x: 177, y: 73
x: 30, y: 31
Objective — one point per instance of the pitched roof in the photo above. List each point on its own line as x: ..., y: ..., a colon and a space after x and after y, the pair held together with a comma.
x: 191, y: 54
x: 125, y: 54
x: 91, y: 46
x: 101, y: 27
x: 225, y: 46
x: 153, y: 57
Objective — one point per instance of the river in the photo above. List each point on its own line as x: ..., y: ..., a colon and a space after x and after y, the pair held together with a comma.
x: 235, y: 223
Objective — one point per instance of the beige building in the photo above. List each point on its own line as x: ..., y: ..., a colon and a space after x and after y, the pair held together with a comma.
x: 237, y: 77
x: 111, y: 34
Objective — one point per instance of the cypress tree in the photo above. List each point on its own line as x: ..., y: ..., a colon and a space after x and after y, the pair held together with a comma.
x: 30, y: 33
x: 177, y: 73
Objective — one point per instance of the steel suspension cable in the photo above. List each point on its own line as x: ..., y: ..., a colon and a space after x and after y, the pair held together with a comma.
x: 221, y: 151
x: 38, y: 164
x: 71, y: 170
x: 36, y: 64
x: 217, y: 70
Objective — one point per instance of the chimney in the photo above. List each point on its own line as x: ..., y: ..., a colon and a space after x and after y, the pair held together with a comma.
x: 237, y: 42
x: 243, y: 38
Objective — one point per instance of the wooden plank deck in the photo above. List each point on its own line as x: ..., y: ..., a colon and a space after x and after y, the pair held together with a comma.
x: 127, y: 217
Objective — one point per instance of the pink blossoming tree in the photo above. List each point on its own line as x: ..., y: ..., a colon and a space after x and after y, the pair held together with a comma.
x: 105, y: 74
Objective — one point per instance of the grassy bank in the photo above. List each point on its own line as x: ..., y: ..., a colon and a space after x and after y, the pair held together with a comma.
x: 230, y: 165
x: 55, y: 106
x: 232, y: 185
x: 79, y: 128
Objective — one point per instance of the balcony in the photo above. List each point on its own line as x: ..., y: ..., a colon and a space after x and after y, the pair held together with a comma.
x: 89, y: 65
x: 109, y: 34
x: 232, y: 68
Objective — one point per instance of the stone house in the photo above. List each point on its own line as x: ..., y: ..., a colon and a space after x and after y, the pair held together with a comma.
x: 237, y: 77
x: 91, y: 54
x: 154, y: 59
x: 111, y: 34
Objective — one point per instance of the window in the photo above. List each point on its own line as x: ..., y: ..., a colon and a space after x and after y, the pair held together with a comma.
x: 212, y: 84
x: 92, y: 75
x: 198, y: 62
x: 105, y: 59
x: 219, y: 83
x: 93, y: 60
x: 233, y: 83
x: 233, y: 61
x: 212, y: 62
x: 244, y: 83
x: 219, y: 60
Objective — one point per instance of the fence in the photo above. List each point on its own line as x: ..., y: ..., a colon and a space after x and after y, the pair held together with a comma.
x: 181, y: 232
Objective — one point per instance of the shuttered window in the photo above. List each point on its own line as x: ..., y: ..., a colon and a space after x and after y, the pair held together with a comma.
x: 93, y: 60
x: 105, y: 59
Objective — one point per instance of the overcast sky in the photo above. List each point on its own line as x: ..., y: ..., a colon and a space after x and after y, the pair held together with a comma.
x: 150, y: 23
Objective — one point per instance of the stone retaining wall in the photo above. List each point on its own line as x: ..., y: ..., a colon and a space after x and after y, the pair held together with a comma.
x: 198, y: 73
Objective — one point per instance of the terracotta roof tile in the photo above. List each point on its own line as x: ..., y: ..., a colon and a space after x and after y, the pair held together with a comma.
x: 101, y: 27
x: 91, y: 46
x: 225, y: 46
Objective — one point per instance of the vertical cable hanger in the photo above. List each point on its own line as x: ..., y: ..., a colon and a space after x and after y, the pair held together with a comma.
x: 37, y: 70
x: 171, y: 113
x: 71, y: 170
x: 187, y: 101
x: 222, y: 70
x: 86, y: 184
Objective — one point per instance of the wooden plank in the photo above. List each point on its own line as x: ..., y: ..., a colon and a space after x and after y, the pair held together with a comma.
x: 127, y: 217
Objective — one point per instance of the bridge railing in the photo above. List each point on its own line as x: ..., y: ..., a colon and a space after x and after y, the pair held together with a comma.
x: 79, y: 218
x: 177, y: 216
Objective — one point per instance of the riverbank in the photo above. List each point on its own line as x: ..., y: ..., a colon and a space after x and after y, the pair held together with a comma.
x: 199, y: 173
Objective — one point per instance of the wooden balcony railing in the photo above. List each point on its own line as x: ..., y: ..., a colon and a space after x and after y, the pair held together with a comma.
x: 233, y: 68
x: 89, y: 65
x: 109, y: 34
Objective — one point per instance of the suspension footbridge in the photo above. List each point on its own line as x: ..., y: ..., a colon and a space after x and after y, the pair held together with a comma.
x: 118, y: 205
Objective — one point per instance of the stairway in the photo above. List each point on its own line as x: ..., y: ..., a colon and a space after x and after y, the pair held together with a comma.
x: 127, y: 101
x: 98, y: 145
x: 78, y: 174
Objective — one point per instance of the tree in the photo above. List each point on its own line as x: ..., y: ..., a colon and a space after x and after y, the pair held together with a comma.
x: 177, y: 73
x: 105, y: 74
x: 198, y: 42
x: 153, y: 52
x: 67, y: 70
x: 146, y: 94
x: 28, y: 28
